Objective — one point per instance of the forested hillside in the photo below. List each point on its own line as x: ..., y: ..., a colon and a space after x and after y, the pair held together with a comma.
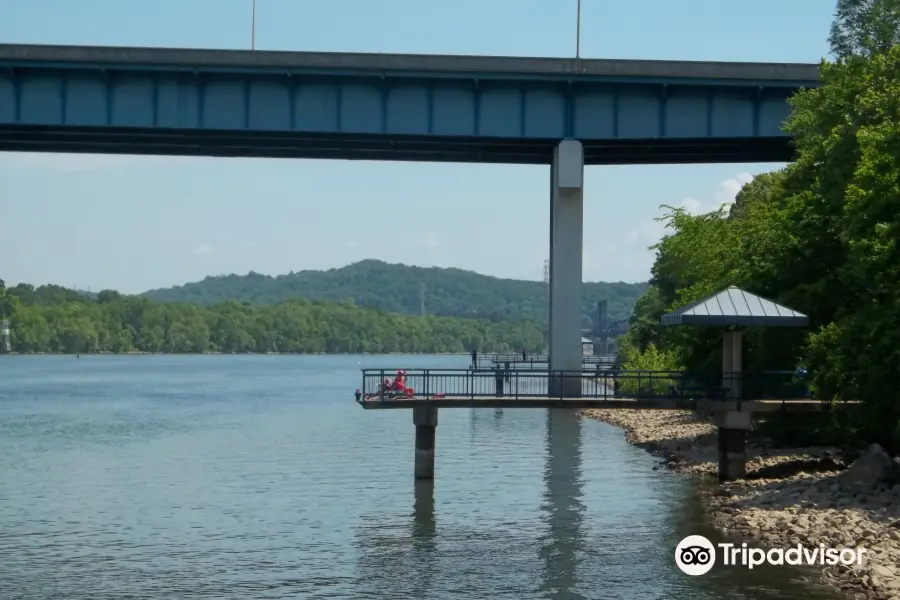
x: 396, y: 288
x: 53, y: 319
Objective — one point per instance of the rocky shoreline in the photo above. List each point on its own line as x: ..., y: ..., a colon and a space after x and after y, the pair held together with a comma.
x: 800, y: 495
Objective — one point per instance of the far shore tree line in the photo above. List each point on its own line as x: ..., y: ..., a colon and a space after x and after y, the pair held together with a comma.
x: 54, y: 319
x: 821, y: 236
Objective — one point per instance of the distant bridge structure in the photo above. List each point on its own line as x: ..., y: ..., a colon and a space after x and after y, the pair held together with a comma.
x: 604, y: 331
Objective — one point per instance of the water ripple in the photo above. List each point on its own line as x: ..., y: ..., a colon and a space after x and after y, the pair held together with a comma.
x: 259, y: 477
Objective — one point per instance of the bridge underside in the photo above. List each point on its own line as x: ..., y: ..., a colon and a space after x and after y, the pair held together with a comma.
x: 392, y: 107
x: 459, y: 149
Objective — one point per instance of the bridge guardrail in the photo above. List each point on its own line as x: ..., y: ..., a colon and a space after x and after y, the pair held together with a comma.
x: 594, y: 383
x: 532, y: 362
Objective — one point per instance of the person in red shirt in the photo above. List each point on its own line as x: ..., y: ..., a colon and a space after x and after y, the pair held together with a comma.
x: 397, y: 386
x: 400, y: 382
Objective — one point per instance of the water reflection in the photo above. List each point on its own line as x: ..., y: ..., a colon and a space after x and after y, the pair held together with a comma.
x: 397, y: 556
x: 423, y: 536
x: 482, y: 537
x: 562, y: 507
x: 423, y: 527
x: 179, y: 477
x: 474, y: 419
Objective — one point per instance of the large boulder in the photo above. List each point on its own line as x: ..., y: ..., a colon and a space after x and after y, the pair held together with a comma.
x: 873, y: 467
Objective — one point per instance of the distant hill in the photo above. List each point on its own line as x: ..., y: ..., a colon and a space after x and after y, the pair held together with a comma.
x: 45, y: 294
x: 396, y: 288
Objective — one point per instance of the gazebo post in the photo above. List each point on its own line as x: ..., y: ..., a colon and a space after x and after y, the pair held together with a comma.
x: 733, y: 425
x: 734, y: 308
x: 732, y: 363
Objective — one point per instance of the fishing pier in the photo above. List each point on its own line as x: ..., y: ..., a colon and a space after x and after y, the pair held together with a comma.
x: 729, y: 398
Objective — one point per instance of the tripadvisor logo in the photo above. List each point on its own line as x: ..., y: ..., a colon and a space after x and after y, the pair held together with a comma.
x: 695, y: 555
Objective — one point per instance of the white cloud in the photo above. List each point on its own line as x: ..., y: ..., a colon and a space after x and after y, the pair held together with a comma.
x: 726, y: 191
x: 203, y: 249
x: 729, y: 188
x: 691, y: 206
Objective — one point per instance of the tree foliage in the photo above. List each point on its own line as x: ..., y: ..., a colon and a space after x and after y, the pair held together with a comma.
x: 820, y: 236
x: 864, y: 27
x: 52, y: 319
x: 396, y: 288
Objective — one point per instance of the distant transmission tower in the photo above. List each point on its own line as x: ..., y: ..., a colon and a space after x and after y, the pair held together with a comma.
x: 422, y: 299
x: 547, y: 275
x: 547, y: 283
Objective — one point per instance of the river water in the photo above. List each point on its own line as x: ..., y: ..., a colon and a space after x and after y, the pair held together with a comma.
x: 252, y: 477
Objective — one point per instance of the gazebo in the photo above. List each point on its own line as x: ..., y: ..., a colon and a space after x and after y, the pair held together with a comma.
x: 734, y: 308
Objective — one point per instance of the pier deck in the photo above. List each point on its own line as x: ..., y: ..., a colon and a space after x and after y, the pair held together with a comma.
x: 729, y: 400
x: 755, y: 406
x: 588, y: 388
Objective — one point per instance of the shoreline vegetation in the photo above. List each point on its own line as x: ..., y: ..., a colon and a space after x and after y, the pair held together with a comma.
x: 141, y: 353
x: 811, y: 496
x: 818, y: 236
x: 52, y: 319
x: 368, y: 307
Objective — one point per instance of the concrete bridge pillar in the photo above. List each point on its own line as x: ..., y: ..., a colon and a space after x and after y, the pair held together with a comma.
x: 566, y: 248
x: 425, y: 418
x: 733, y: 427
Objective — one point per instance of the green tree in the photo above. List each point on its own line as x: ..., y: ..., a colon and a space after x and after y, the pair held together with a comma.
x: 52, y: 320
x: 819, y: 236
x: 864, y: 27
x: 108, y: 296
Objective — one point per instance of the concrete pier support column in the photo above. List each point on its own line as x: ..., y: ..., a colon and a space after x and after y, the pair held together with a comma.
x: 733, y: 427
x: 425, y: 418
x: 566, y: 248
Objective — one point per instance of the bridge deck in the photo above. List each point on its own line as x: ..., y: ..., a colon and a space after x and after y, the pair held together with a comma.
x: 392, y: 106
x: 791, y: 74
x: 796, y: 405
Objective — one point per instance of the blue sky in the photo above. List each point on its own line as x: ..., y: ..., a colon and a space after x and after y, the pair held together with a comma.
x: 133, y: 223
